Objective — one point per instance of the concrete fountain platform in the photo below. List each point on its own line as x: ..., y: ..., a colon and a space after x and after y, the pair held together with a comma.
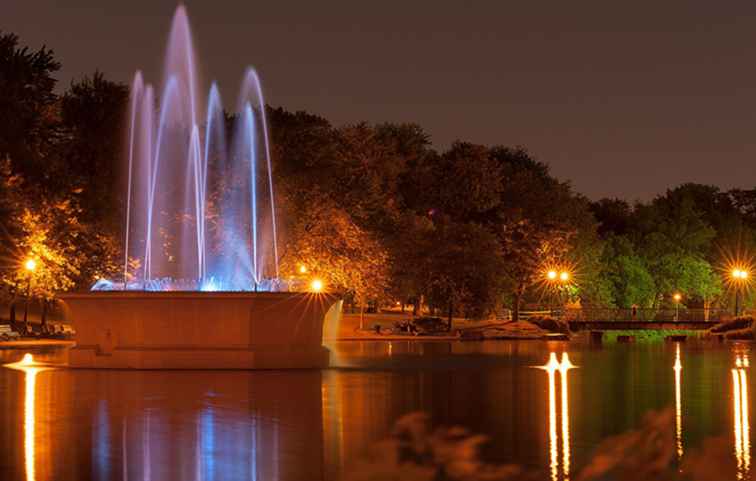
x: 197, y: 330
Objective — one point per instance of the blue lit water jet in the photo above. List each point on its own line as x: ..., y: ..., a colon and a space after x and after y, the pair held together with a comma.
x: 199, y: 215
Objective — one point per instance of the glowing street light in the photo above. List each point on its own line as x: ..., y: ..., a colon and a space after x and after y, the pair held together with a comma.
x: 739, y: 274
x: 30, y: 265
x: 558, y: 279
x: 677, y: 298
x: 739, y: 277
x: 303, y: 269
x: 316, y: 285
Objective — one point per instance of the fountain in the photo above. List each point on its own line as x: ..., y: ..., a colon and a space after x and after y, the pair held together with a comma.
x: 200, y: 285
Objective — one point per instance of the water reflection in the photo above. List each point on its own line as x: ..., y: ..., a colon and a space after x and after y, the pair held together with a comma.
x: 30, y: 368
x: 741, y: 423
x: 314, y: 425
x: 551, y: 368
x: 678, y: 402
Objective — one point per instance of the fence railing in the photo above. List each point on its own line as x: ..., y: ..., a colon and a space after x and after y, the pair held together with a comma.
x: 645, y: 314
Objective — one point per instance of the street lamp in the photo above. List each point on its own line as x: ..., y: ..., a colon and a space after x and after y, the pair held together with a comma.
x: 30, y: 265
x: 316, y: 285
x: 677, y: 298
x: 558, y: 280
x: 739, y: 277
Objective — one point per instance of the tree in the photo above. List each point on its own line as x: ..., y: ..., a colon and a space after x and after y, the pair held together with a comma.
x: 92, y: 114
x: 463, y: 269
x: 669, y: 236
x: 541, y: 223
x: 631, y: 283
x: 29, y: 120
x: 527, y: 249
x: 614, y: 216
x: 337, y: 251
x: 69, y: 254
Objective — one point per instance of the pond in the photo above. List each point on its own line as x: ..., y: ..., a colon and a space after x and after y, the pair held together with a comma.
x: 317, y: 425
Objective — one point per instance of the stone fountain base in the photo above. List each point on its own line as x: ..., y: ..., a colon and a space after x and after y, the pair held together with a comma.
x: 198, y: 330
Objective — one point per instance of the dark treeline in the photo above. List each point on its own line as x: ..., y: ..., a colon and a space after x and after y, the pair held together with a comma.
x: 374, y: 210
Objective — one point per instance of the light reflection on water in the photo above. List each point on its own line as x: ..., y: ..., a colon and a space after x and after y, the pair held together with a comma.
x: 551, y: 368
x: 310, y: 425
x: 678, y: 402
x: 741, y: 423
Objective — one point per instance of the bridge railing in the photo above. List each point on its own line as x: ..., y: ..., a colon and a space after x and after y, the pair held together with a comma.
x: 645, y: 314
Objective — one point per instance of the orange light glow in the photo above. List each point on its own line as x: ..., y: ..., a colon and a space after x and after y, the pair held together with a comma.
x: 551, y: 275
x: 739, y: 274
x: 551, y: 368
x: 30, y: 265
x: 741, y: 423
x: 678, y: 402
x: 30, y: 369
x: 564, y: 276
x: 303, y: 269
x: 316, y: 285
x: 677, y: 297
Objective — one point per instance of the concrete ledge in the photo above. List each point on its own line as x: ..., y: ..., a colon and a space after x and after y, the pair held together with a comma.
x: 198, y: 330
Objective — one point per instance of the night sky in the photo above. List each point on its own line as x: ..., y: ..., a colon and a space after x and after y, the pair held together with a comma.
x: 624, y: 99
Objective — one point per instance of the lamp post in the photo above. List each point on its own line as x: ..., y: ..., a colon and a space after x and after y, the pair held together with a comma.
x: 30, y: 265
x: 739, y: 277
x: 558, y: 281
x: 677, y: 298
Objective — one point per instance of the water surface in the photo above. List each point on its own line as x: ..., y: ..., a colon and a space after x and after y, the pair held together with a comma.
x: 312, y: 425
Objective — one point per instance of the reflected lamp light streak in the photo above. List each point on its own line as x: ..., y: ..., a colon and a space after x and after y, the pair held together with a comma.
x: 678, y: 403
x: 551, y: 368
x: 565, y: 366
x: 30, y: 369
x: 741, y: 421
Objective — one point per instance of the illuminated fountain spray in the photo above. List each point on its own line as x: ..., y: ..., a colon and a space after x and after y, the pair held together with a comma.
x: 200, y: 213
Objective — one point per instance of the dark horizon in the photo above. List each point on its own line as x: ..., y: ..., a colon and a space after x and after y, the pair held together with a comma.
x: 623, y: 101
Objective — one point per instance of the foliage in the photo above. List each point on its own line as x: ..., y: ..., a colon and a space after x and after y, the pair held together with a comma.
x: 463, y: 269
x: 29, y: 122
x: 59, y: 200
x: 373, y: 209
x: 416, y: 452
x: 336, y: 250
x: 528, y: 248
x: 631, y: 283
x: 47, y: 230
x: 92, y: 113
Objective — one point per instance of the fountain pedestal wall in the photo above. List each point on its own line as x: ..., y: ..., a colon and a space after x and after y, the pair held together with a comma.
x: 198, y: 330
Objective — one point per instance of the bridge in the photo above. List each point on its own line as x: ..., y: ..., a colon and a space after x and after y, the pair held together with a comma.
x: 640, y: 325
x: 607, y: 319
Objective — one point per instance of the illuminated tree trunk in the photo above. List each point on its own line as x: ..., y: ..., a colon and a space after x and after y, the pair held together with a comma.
x: 518, y: 293
x: 451, y: 312
x: 44, y: 311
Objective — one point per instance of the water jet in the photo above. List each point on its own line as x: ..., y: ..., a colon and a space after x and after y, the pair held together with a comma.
x: 200, y: 286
